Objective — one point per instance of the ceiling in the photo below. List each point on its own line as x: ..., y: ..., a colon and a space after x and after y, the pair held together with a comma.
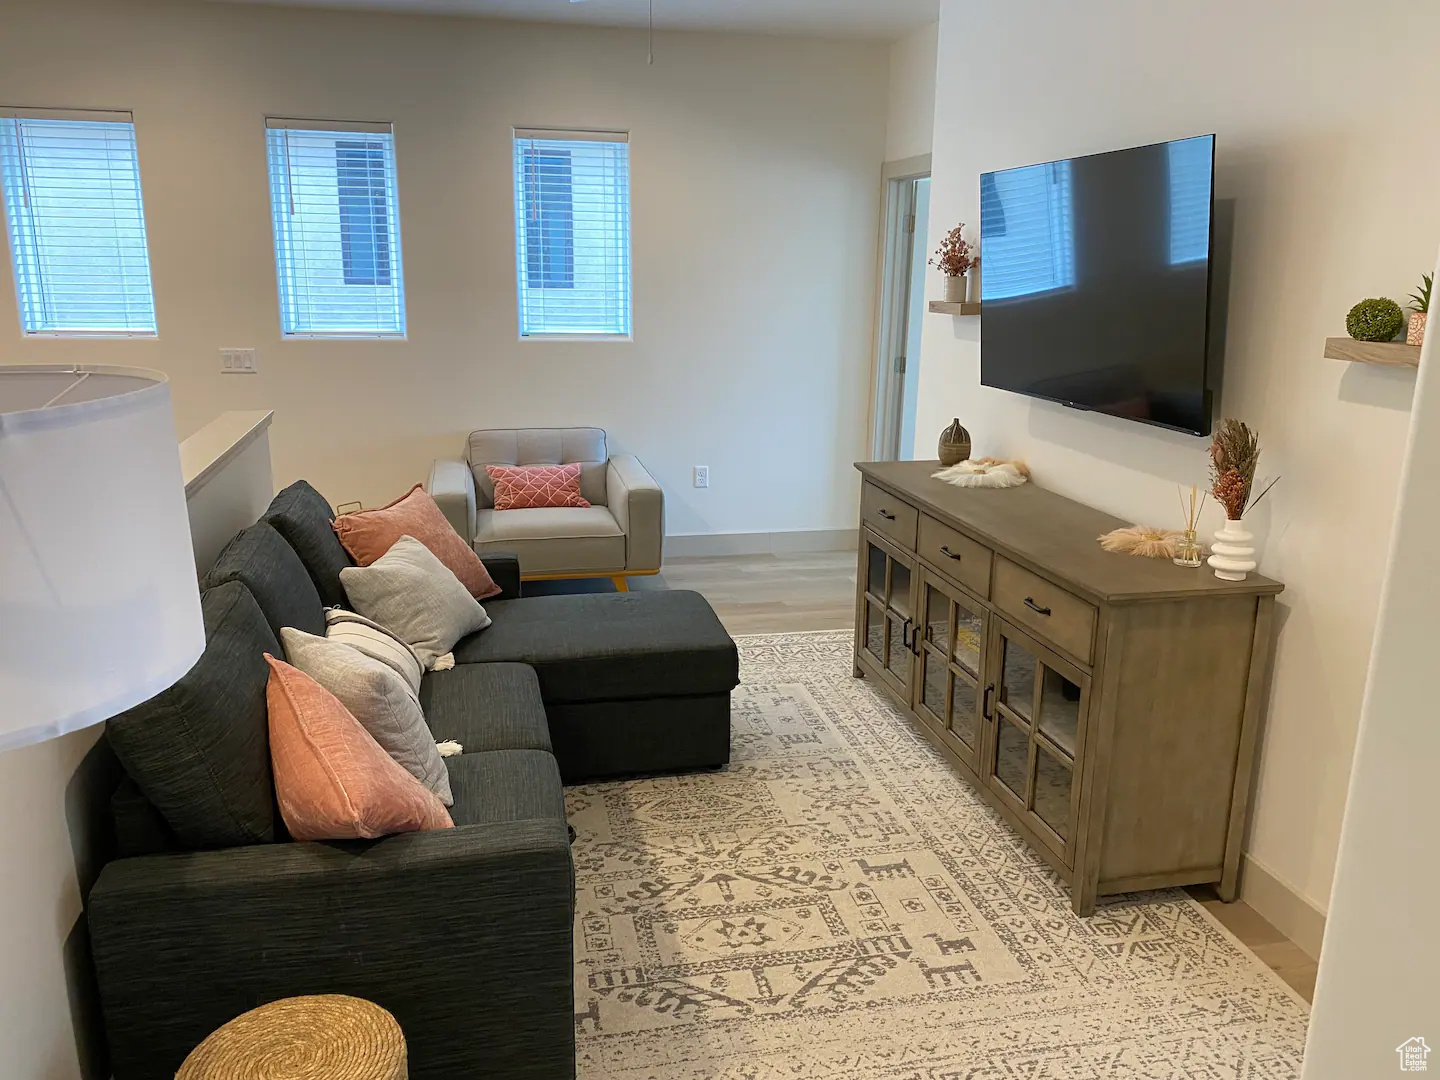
x: 828, y: 18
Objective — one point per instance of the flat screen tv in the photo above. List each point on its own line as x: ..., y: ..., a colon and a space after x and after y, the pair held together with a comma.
x: 1095, y: 282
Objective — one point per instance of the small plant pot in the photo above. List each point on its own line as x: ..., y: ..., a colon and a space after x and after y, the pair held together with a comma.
x: 955, y: 290
x: 1416, y: 334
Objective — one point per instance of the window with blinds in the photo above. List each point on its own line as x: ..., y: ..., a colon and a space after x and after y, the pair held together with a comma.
x: 1191, y: 164
x: 76, y: 221
x: 1027, y: 231
x: 337, y: 229
x: 572, y: 233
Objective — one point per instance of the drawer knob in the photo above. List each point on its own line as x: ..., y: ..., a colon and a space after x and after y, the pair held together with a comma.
x: 1030, y: 603
x: 949, y: 554
x: 886, y: 515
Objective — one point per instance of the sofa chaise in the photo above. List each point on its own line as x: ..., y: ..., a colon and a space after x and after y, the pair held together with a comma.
x: 465, y: 935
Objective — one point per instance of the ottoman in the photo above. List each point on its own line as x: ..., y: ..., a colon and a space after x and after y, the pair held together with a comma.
x: 632, y: 682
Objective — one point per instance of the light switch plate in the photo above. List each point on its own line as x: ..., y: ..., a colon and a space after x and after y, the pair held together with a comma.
x: 238, y: 362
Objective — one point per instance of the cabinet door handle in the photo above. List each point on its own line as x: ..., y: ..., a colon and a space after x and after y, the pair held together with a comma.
x: 1030, y: 603
x: 985, y: 702
x: 886, y: 515
x: 905, y: 635
x: 949, y: 554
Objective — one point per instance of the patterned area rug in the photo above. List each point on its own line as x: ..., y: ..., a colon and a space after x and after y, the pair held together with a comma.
x: 839, y: 904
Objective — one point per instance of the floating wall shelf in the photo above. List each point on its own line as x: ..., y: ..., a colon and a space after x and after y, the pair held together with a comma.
x: 1389, y: 353
x: 947, y: 307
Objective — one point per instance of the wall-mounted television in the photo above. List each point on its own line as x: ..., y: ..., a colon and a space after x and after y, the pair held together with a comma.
x: 1095, y: 282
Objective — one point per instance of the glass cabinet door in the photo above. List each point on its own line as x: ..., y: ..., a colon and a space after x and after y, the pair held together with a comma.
x: 951, y: 645
x: 885, y: 618
x: 1035, y: 706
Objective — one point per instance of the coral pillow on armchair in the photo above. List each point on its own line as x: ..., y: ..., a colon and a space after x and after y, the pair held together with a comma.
x: 369, y: 534
x: 526, y: 487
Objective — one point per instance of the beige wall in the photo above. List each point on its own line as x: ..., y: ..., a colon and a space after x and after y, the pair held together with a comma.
x: 910, y: 127
x: 1334, y: 201
x: 1378, y: 987
x: 755, y: 205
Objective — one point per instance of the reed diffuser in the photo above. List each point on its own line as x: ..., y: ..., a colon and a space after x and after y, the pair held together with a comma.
x: 1188, y: 551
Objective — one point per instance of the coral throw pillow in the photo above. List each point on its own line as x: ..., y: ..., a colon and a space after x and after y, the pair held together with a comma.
x: 369, y: 534
x: 525, y: 487
x: 332, y: 779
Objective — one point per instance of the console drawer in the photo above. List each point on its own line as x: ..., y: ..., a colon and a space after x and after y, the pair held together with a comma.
x: 1047, y: 610
x: 956, y: 555
x: 891, y: 517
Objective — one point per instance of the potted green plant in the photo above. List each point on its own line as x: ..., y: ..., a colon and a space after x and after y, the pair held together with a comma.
x: 1420, y: 313
x: 955, y: 257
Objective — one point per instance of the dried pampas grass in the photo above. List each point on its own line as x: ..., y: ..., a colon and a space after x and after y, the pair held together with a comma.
x: 985, y: 472
x: 1142, y: 540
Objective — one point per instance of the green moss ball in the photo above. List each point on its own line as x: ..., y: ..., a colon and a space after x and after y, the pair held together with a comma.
x: 1375, y: 320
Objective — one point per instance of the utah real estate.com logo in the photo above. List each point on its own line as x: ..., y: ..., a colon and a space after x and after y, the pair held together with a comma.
x: 1413, y: 1053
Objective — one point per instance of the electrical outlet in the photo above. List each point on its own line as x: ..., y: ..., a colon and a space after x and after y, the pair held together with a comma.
x: 702, y: 476
x: 238, y: 362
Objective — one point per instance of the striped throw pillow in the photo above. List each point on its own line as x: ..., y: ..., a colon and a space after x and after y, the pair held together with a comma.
x: 376, y: 642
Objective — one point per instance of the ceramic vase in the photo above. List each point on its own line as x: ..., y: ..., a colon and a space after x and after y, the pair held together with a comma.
x: 1416, y: 335
x: 955, y: 289
x: 1233, y: 556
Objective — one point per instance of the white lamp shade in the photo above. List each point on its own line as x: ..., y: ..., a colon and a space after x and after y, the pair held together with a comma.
x: 99, y: 604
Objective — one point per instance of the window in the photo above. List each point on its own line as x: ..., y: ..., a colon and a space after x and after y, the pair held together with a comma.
x: 1191, y: 165
x: 1027, y: 231
x: 337, y: 229
x: 572, y: 233
x: 71, y: 184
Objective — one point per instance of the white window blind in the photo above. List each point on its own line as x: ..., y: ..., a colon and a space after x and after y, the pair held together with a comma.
x: 76, y: 222
x: 1191, y: 167
x: 572, y: 233
x: 337, y: 229
x: 1027, y: 231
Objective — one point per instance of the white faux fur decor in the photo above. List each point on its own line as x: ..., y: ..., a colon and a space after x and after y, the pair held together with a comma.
x: 985, y: 473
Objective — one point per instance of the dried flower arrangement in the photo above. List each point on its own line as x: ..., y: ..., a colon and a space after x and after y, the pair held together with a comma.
x: 955, y: 256
x: 1234, y: 454
x: 1142, y: 540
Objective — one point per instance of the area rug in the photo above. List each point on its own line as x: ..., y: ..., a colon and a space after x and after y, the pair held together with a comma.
x: 838, y: 904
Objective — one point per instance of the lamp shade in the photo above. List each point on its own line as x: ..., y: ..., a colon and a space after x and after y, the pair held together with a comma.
x: 99, y: 604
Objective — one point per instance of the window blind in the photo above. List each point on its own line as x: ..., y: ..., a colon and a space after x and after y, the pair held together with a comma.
x: 1191, y: 171
x: 336, y: 215
x: 1027, y: 231
x: 572, y: 233
x: 76, y: 222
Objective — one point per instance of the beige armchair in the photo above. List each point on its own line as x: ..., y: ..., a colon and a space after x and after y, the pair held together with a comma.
x: 620, y: 535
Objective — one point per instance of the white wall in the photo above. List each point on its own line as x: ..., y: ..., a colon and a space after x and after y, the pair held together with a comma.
x: 1319, y: 147
x: 911, y: 123
x: 39, y: 905
x: 1378, y: 986
x: 755, y: 206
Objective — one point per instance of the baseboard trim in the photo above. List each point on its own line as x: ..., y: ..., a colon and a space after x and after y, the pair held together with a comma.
x: 1281, y: 906
x: 785, y: 542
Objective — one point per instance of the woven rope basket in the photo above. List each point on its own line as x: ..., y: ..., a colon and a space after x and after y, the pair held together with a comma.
x: 328, y: 1037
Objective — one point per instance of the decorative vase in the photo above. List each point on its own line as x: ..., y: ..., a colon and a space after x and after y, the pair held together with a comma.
x: 1188, y: 551
x: 955, y: 289
x: 954, y: 443
x: 1416, y: 335
x: 1233, y: 556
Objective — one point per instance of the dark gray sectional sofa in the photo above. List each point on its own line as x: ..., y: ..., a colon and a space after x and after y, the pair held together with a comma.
x: 465, y: 934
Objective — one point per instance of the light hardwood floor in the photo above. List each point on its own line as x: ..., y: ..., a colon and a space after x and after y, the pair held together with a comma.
x: 776, y: 594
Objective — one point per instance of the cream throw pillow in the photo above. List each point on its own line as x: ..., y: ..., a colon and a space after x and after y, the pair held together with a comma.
x: 376, y: 642
x: 413, y: 594
x: 377, y: 697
